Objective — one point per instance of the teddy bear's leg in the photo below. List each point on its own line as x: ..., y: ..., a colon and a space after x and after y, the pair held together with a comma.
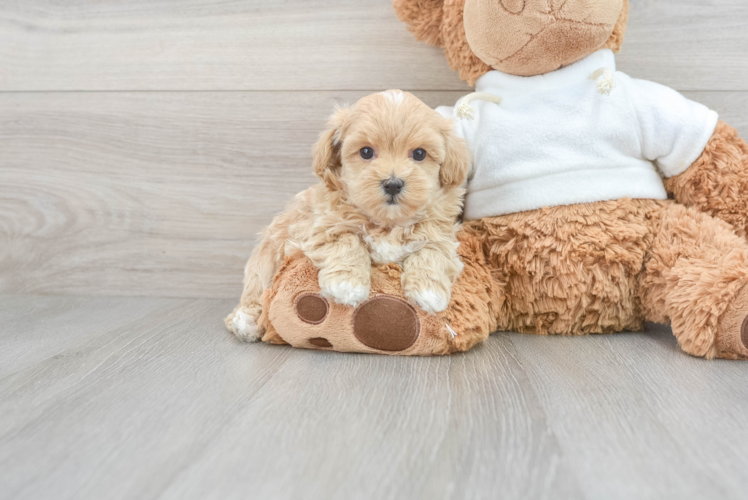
x: 569, y: 270
x: 696, y: 278
x: 717, y: 183
x: 386, y: 323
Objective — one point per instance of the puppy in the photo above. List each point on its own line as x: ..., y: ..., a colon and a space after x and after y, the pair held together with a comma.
x: 391, y: 172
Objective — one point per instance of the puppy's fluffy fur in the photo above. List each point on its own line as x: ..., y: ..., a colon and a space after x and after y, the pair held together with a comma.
x: 349, y: 220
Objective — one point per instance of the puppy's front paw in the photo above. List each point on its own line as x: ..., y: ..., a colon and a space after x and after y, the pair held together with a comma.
x: 244, y: 326
x: 345, y: 292
x: 431, y: 300
x: 429, y: 294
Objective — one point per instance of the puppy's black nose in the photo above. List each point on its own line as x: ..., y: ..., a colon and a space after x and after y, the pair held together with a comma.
x: 393, y: 186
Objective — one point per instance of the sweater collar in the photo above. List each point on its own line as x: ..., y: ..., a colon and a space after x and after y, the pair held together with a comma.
x: 569, y: 75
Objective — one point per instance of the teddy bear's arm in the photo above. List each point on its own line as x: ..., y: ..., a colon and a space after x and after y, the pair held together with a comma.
x: 717, y: 183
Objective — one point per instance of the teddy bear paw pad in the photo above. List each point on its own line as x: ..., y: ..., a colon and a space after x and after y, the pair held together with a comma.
x: 320, y: 342
x: 731, y: 340
x: 312, y: 309
x: 386, y: 323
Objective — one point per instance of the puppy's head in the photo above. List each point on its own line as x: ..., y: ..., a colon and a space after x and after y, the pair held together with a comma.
x: 391, y: 156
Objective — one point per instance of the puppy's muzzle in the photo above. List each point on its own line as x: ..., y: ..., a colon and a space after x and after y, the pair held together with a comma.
x: 393, y: 187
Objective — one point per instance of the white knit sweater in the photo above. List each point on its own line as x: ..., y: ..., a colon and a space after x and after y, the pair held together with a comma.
x: 558, y: 139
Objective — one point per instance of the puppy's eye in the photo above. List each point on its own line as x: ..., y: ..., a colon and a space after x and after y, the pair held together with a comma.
x: 366, y: 153
x: 419, y: 154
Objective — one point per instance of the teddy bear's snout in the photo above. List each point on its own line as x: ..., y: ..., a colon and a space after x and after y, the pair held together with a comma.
x: 514, y: 6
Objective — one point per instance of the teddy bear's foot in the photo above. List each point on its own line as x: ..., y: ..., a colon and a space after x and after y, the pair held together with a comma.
x: 386, y: 323
x: 731, y: 339
x: 383, y: 324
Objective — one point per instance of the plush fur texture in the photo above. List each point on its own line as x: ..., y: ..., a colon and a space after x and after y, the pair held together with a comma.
x: 424, y: 18
x: 569, y: 269
x: 717, y: 183
x: 608, y: 267
x: 350, y: 220
x: 460, y: 56
x: 693, y: 274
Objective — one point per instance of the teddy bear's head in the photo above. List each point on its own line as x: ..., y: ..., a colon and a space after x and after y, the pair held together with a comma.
x: 519, y: 37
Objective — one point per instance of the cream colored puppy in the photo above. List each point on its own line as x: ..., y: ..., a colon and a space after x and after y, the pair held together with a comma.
x: 391, y: 172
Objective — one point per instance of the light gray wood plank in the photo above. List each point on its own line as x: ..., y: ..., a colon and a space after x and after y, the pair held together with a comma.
x: 688, y: 44
x: 171, y: 406
x: 346, y: 426
x: 209, y: 45
x: 317, y: 45
x: 122, y: 414
x: 35, y: 328
x: 638, y: 418
x: 162, y: 194
x: 175, y: 405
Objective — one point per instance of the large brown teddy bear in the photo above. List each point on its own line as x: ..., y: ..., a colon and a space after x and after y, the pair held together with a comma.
x: 568, y: 226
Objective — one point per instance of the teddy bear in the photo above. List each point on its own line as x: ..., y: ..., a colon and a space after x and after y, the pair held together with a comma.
x: 596, y: 202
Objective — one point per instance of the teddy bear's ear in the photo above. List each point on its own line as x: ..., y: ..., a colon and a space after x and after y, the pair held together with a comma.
x: 440, y: 22
x: 423, y: 17
x: 616, y: 39
x: 326, y: 152
x: 459, y: 54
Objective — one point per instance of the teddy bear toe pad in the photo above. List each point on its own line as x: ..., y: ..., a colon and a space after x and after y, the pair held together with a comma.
x: 320, y: 342
x: 731, y: 339
x: 312, y: 308
x: 386, y: 323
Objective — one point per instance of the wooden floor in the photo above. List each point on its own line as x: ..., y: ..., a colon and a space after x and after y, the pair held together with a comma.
x: 150, y: 398
x: 143, y: 144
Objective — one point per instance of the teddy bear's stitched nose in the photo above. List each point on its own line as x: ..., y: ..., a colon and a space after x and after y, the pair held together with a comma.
x: 514, y: 6
x: 386, y: 323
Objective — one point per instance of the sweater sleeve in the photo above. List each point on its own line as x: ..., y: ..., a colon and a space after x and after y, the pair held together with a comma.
x: 674, y: 130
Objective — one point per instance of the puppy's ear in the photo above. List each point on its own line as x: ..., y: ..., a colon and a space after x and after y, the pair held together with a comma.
x: 456, y: 164
x: 423, y: 17
x: 326, y: 152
